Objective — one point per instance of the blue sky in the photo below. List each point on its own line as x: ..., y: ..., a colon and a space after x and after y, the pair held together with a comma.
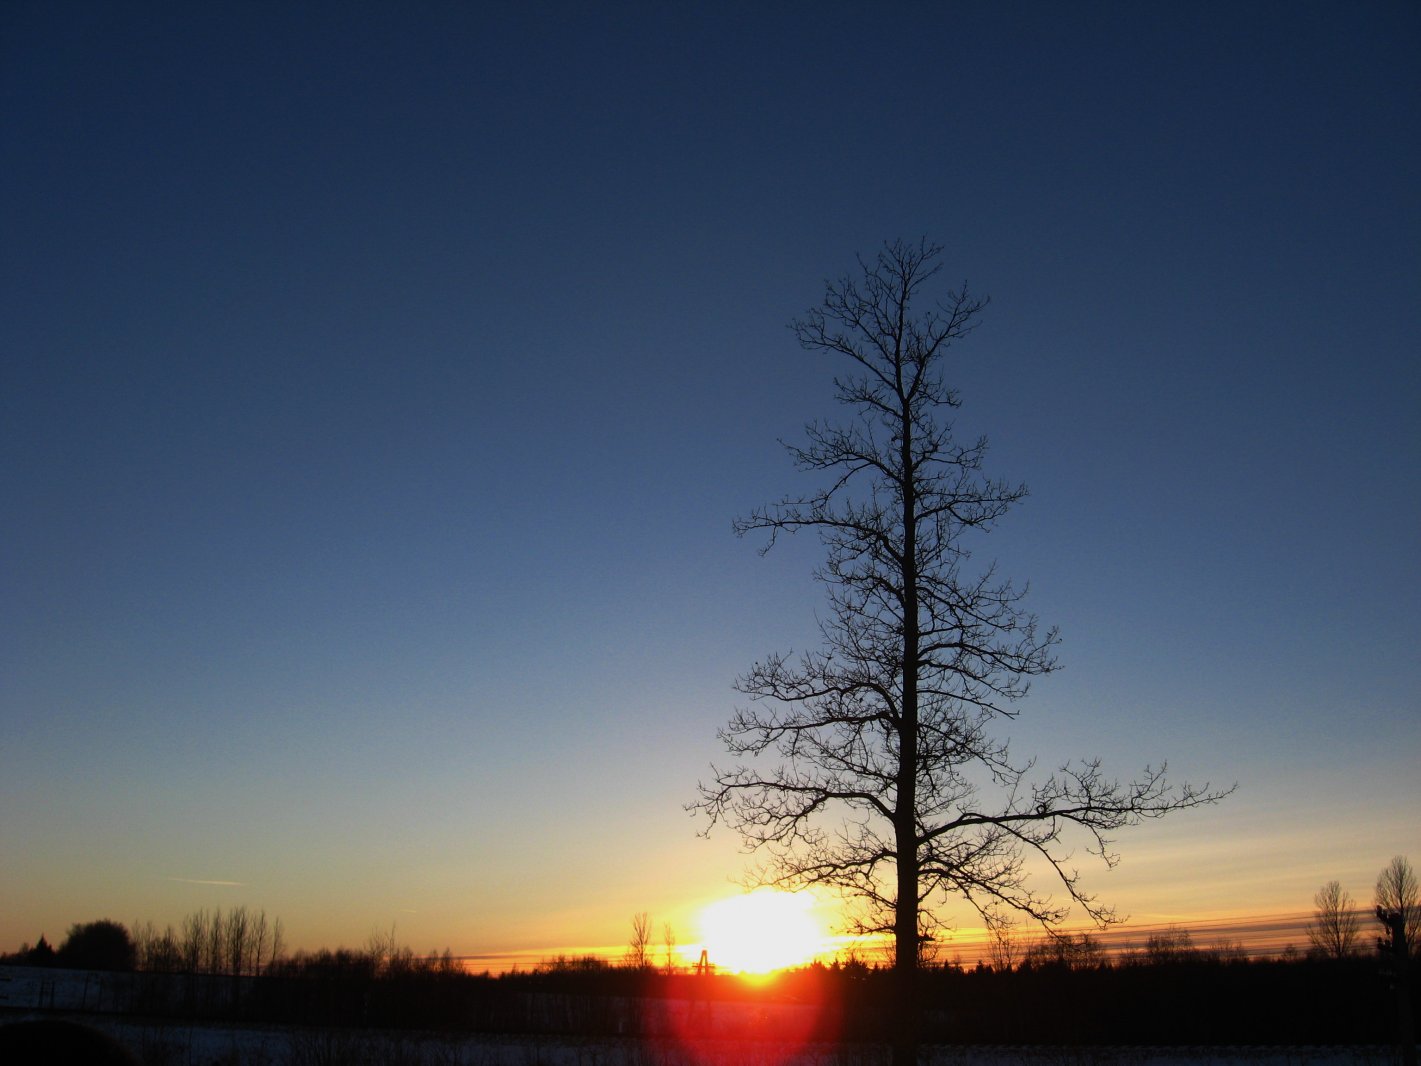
x: 379, y: 385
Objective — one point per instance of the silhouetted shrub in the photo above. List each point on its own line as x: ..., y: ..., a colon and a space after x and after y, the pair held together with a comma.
x: 101, y: 945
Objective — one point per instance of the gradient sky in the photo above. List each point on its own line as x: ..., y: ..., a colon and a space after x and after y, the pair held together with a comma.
x: 380, y: 382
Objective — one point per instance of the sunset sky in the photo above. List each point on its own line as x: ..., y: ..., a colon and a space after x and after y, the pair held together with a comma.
x: 380, y: 383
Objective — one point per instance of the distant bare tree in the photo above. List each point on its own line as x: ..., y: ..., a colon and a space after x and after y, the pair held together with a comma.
x: 668, y: 938
x: 1174, y: 944
x: 1077, y: 951
x: 235, y: 942
x: 380, y: 948
x: 1398, y: 902
x: 193, y: 936
x: 144, y: 935
x: 1005, y: 948
x: 259, y: 943
x: 639, y: 949
x: 215, y: 949
x: 1335, y: 926
x: 1227, y: 950
x: 157, y: 952
x: 277, y: 946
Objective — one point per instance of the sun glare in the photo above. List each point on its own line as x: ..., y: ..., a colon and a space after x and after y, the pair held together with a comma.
x: 761, y: 931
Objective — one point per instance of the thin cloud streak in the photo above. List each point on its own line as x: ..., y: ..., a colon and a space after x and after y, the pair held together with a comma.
x: 201, y: 881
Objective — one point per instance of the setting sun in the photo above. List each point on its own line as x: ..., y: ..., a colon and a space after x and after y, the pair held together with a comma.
x: 762, y: 931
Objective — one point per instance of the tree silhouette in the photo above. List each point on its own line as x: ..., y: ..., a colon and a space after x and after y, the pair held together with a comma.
x: 1076, y: 951
x: 234, y: 942
x: 1398, y: 902
x: 888, y: 783
x: 1005, y: 948
x: 639, y: 947
x: 1169, y: 946
x: 1335, y: 926
x: 668, y: 939
x: 101, y: 945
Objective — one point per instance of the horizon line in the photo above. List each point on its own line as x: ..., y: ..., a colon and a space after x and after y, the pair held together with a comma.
x: 1257, y: 935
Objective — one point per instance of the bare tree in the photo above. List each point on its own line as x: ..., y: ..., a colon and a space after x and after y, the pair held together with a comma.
x: 668, y: 939
x: 887, y: 783
x: 1398, y: 909
x: 192, y: 946
x: 1398, y: 902
x: 1226, y: 951
x: 381, y: 948
x: 1335, y: 926
x: 258, y: 943
x: 1074, y: 951
x: 1170, y: 945
x: 213, y: 948
x: 277, y: 945
x: 235, y: 942
x: 1005, y: 949
x: 157, y: 952
x: 235, y: 932
x: 639, y: 949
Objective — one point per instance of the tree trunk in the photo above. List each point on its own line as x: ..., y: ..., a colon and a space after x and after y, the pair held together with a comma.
x: 1395, y: 923
x: 905, y: 982
x: 905, y: 1035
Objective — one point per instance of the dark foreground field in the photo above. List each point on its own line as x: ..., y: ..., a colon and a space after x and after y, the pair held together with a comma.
x: 1272, y: 1014
x: 176, y: 1044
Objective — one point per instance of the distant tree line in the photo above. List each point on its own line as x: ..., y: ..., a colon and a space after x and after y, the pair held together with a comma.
x: 1168, y: 992
x: 238, y: 942
x: 101, y: 945
x: 1060, y: 990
